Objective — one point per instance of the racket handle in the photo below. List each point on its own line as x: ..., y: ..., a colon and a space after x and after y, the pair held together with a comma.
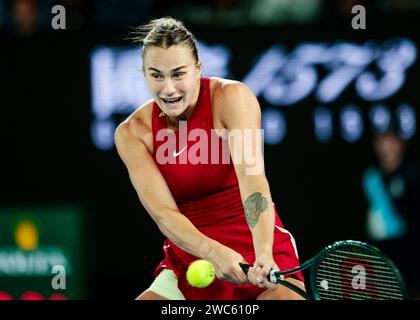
x: 277, y: 277
x: 245, y: 267
x: 273, y: 276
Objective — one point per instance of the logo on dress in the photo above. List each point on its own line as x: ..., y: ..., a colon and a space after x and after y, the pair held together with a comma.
x: 176, y: 154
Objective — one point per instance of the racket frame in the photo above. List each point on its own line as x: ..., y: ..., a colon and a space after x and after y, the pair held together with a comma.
x: 277, y: 276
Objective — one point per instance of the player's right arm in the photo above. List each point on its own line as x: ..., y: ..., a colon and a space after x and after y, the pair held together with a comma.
x: 158, y: 201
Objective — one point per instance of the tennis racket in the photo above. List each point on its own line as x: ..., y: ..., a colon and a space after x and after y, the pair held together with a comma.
x: 347, y: 270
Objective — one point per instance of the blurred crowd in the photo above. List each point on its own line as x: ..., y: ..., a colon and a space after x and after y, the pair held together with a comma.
x: 391, y: 187
x: 25, y: 17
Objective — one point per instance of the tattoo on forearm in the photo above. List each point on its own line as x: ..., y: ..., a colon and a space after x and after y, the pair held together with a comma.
x: 255, y: 204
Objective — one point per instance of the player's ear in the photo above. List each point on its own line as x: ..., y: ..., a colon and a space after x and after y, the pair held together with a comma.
x: 199, y: 69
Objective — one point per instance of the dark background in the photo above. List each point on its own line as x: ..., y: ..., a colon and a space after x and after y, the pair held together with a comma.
x: 48, y: 156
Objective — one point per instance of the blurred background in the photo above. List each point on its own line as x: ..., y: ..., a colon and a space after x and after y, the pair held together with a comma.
x: 340, y: 113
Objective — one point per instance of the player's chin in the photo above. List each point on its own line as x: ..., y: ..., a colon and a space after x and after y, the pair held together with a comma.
x: 173, y: 112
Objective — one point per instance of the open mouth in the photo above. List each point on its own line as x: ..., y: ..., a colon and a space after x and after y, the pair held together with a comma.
x: 172, y: 101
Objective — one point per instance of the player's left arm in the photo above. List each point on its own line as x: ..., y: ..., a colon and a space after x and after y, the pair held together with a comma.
x: 240, y: 113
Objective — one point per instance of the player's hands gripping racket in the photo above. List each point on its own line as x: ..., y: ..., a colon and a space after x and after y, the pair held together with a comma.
x: 347, y: 270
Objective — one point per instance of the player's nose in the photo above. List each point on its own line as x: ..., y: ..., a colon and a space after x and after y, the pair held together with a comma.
x: 168, y: 89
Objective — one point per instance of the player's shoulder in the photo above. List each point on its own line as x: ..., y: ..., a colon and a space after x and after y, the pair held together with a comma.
x: 137, y: 124
x: 231, y: 97
x: 223, y: 88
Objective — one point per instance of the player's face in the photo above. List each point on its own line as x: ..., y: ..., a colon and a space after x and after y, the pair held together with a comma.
x: 172, y: 76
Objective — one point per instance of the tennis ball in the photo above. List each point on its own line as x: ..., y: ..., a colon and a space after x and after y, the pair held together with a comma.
x: 200, y: 273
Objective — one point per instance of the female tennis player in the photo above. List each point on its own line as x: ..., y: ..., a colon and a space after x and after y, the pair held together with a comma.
x: 208, y: 208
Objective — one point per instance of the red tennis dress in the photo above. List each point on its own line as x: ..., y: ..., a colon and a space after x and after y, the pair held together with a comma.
x: 206, y: 190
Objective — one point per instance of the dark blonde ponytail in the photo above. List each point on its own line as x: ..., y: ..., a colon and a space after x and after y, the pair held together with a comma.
x: 164, y: 33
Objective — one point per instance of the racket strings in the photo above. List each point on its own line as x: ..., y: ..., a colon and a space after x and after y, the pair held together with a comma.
x: 389, y: 284
x: 343, y: 293
x: 353, y: 272
x: 338, y: 295
x: 382, y: 271
x: 347, y: 284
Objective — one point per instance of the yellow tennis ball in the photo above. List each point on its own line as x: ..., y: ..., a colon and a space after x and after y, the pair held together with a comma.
x: 200, y: 273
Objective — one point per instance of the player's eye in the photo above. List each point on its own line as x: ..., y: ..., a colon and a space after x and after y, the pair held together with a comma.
x: 156, y: 76
x: 178, y: 74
